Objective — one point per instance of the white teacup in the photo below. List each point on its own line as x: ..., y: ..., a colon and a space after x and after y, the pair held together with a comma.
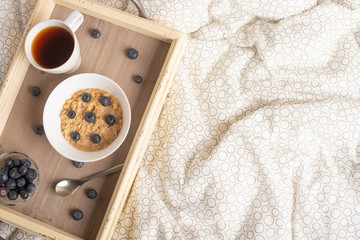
x: 51, y: 45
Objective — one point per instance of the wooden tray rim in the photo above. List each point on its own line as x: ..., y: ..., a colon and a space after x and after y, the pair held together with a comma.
x: 18, y: 70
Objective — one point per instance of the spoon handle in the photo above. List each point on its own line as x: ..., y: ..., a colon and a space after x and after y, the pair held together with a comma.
x: 140, y: 8
x: 109, y: 171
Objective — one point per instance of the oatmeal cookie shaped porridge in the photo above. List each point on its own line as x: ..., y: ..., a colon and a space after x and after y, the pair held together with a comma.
x: 91, y: 119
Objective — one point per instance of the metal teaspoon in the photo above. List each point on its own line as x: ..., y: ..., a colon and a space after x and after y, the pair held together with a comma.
x: 68, y: 187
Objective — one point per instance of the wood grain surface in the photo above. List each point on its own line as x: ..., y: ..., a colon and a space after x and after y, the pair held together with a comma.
x: 106, y: 56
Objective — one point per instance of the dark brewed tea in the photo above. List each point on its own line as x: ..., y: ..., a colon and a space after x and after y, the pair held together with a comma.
x: 52, y: 47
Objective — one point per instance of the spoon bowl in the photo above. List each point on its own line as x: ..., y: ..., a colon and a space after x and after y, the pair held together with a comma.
x: 67, y: 187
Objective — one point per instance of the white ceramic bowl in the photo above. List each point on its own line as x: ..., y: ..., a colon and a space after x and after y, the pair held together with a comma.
x: 54, y: 106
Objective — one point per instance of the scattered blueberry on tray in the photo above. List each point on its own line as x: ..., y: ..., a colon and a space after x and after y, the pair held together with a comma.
x: 133, y: 53
x: 78, y: 164
x: 35, y: 91
x: 138, y: 79
x: 16, y: 179
x: 91, y: 193
x: 95, y: 33
x: 77, y: 215
x: 39, y: 129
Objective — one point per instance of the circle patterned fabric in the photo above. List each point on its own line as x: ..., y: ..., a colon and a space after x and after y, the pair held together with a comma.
x: 259, y: 136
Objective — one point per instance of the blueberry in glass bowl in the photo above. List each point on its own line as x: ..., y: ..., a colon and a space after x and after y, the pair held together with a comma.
x: 19, y: 178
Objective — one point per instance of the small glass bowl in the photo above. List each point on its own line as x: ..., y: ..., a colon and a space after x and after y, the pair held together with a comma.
x: 13, y: 156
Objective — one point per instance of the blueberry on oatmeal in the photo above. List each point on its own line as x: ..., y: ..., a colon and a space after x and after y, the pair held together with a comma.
x: 90, y: 117
x: 75, y: 136
x: 86, y: 97
x: 110, y: 120
x: 105, y: 101
x: 95, y: 138
x: 71, y: 114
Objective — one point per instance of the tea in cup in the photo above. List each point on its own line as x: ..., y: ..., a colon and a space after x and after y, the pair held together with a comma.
x: 51, y: 46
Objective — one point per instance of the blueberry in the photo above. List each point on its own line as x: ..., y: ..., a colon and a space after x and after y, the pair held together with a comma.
x: 12, y: 195
x: 30, y: 188
x: 92, y: 193
x: 20, y: 182
x: 133, y: 53
x: 5, y: 170
x: 11, y: 183
x: 75, y: 136
x: 105, y: 101
x: 31, y: 175
x: 95, y: 138
x: 78, y: 164
x: 35, y: 91
x: 23, y: 194
x: 110, y: 120
x: 26, y: 162
x: 71, y: 114
x: 22, y: 170
x: 39, y: 129
x: 3, y: 192
x: 9, y: 162
x: 90, y: 117
x: 14, y: 173
x: 95, y: 33
x: 86, y: 97
x: 138, y: 79
x: 77, y: 215
x: 17, y: 163
x: 3, y: 177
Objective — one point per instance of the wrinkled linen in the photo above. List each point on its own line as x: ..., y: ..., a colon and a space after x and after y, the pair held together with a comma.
x: 259, y: 136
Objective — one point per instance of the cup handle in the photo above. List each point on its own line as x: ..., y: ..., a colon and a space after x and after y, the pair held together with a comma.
x: 74, y: 20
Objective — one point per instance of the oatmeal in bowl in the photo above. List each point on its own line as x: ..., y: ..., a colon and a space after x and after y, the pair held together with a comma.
x: 91, y: 119
x: 87, y: 117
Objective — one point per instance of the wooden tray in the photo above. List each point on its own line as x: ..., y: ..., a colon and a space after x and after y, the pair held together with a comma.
x: 48, y: 214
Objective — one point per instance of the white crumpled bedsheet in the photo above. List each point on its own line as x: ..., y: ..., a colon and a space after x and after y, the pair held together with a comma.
x: 259, y: 136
